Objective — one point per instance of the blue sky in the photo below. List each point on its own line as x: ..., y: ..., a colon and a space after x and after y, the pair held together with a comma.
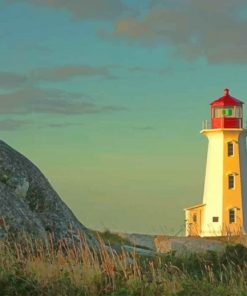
x: 107, y: 97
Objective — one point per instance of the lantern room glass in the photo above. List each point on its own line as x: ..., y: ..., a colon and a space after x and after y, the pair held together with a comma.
x: 222, y: 112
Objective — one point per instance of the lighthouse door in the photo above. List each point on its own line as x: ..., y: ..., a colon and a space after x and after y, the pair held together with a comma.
x: 195, y: 222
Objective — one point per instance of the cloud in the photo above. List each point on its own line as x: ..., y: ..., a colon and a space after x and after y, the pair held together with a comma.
x: 13, y: 124
x: 55, y: 101
x: 60, y: 125
x: 16, y: 124
x: 11, y: 80
x: 195, y: 28
x: 70, y: 107
x: 138, y: 69
x: 57, y: 125
x: 161, y: 71
x: 66, y: 72
x: 81, y: 9
x: 144, y: 128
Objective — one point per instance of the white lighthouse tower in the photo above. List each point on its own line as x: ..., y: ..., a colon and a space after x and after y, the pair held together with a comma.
x: 224, y: 207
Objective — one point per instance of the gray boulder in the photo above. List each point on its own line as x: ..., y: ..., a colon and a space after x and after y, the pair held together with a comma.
x: 140, y: 240
x: 185, y: 245
x: 29, y: 203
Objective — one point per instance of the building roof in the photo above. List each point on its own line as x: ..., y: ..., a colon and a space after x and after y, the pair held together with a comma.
x: 196, y: 206
x: 226, y: 100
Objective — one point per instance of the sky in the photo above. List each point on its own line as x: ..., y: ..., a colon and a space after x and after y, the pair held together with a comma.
x: 107, y: 98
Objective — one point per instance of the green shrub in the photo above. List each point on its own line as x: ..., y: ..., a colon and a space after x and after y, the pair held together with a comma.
x: 191, y: 287
x: 235, y: 255
x: 11, y: 284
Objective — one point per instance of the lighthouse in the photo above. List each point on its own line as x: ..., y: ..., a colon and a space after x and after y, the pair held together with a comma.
x: 224, y: 208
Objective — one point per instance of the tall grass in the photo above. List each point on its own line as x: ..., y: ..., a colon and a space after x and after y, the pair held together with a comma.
x: 32, y: 267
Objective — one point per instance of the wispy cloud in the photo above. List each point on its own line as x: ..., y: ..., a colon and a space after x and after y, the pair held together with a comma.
x: 50, y: 101
x: 65, y: 72
x: 196, y: 28
x: 52, y: 74
x: 11, y: 80
x: 84, y: 9
x: 161, y: 71
x: 59, y: 125
x: 144, y: 128
x: 138, y: 69
x: 13, y: 124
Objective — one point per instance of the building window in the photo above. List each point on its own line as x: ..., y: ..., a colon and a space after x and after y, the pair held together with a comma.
x: 217, y: 112
x: 223, y: 112
x: 194, y: 218
x: 232, y: 216
x: 238, y: 112
x: 227, y: 112
x: 230, y: 149
x: 215, y: 219
x: 231, y: 182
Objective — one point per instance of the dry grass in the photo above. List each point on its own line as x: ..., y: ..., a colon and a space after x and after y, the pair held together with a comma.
x: 33, y: 267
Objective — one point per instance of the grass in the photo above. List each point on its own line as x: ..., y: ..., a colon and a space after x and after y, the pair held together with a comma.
x: 116, y: 240
x: 32, y: 267
x: 111, y: 238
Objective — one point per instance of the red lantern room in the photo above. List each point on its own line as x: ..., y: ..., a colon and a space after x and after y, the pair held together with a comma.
x: 227, y: 112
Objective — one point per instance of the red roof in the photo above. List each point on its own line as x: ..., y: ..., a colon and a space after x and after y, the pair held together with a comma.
x: 226, y: 100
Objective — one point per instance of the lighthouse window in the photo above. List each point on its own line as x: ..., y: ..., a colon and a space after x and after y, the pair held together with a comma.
x: 230, y: 181
x: 194, y: 218
x: 217, y: 112
x: 227, y: 112
x: 238, y: 112
x: 232, y: 216
x: 223, y: 112
x: 230, y: 149
x: 215, y: 219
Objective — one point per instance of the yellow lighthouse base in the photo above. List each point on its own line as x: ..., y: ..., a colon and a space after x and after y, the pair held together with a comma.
x: 194, y: 221
x: 225, y: 188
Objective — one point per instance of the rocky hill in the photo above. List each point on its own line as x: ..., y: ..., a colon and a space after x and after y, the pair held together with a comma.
x: 29, y: 203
